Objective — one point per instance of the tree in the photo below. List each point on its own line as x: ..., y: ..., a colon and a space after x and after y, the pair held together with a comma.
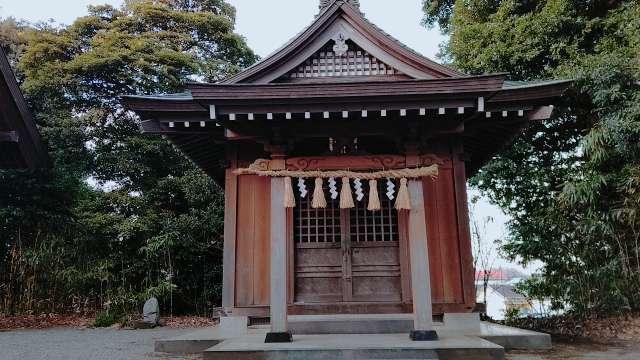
x: 139, y: 219
x: 569, y: 185
x: 484, y: 254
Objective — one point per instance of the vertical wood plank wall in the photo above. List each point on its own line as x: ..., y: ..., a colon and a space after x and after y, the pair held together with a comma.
x: 449, y: 243
x: 448, y: 235
x: 252, y: 244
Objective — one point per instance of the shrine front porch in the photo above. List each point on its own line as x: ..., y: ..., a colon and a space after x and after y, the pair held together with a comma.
x: 351, y: 336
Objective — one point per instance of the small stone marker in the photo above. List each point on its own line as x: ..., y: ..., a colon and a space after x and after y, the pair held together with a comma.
x: 151, y: 312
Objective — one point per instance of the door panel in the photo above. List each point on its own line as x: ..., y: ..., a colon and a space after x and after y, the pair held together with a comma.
x: 375, y: 252
x: 318, y: 274
x: 376, y: 272
x: 347, y: 256
x: 318, y: 253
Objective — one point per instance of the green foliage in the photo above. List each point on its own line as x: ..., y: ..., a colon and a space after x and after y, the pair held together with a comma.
x: 511, y: 316
x: 570, y: 185
x: 106, y: 319
x: 438, y: 12
x: 121, y: 216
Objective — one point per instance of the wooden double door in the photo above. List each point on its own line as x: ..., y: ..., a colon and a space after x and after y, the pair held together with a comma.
x: 347, y: 256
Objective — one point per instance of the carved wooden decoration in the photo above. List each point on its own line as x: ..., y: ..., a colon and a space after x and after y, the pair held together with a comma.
x: 371, y: 162
x: 431, y: 159
x: 324, y: 4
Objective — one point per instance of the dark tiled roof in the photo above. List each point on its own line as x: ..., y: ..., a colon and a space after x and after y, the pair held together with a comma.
x: 529, y: 84
x: 183, y: 96
x: 508, y: 292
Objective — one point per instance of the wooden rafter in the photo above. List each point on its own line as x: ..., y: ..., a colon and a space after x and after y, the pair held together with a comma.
x: 9, y: 137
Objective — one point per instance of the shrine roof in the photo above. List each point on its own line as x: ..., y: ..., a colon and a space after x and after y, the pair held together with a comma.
x: 20, y: 142
x: 343, y: 71
x: 479, y: 108
x: 200, y: 95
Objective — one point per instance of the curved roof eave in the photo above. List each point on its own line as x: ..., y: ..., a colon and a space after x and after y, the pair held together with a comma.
x: 29, y: 150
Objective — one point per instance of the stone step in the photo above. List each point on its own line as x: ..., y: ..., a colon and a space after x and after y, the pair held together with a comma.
x: 355, y: 347
x: 351, y: 324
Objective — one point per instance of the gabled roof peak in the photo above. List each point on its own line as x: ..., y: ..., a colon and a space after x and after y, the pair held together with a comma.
x: 325, y: 4
x: 342, y: 17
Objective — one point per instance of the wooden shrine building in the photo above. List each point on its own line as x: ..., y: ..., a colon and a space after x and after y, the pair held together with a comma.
x: 345, y: 96
x: 20, y: 143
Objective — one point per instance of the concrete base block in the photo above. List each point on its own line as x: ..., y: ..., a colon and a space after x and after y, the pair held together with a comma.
x: 356, y: 347
x: 232, y: 326
x: 463, y: 323
x: 380, y: 337
x: 515, y: 339
x: 330, y: 354
x: 351, y: 324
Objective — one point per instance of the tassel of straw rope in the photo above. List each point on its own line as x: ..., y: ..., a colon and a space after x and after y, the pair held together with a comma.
x: 289, y: 197
x: 374, y: 199
x: 403, y: 202
x: 319, y: 202
x: 346, y: 198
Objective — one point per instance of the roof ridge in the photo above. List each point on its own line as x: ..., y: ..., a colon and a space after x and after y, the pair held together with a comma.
x: 363, y: 80
x: 325, y: 4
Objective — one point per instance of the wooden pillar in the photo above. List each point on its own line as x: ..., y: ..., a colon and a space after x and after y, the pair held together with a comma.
x: 230, y: 223
x: 420, y: 277
x: 279, y: 328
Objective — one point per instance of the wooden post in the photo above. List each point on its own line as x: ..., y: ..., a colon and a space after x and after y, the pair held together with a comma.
x: 230, y: 222
x: 279, y: 328
x: 420, y: 277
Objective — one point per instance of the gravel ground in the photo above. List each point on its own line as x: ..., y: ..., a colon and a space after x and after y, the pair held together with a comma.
x: 86, y: 344
x: 112, y: 344
x: 582, y: 351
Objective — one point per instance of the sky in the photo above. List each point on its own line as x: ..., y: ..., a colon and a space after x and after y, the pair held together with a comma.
x: 265, y: 24
x: 268, y: 24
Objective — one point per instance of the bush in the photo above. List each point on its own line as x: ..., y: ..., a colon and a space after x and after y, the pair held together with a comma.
x: 107, y: 319
x: 512, y: 316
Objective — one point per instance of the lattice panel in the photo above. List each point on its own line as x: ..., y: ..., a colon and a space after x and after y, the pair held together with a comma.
x: 374, y: 225
x: 356, y: 62
x: 316, y: 225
